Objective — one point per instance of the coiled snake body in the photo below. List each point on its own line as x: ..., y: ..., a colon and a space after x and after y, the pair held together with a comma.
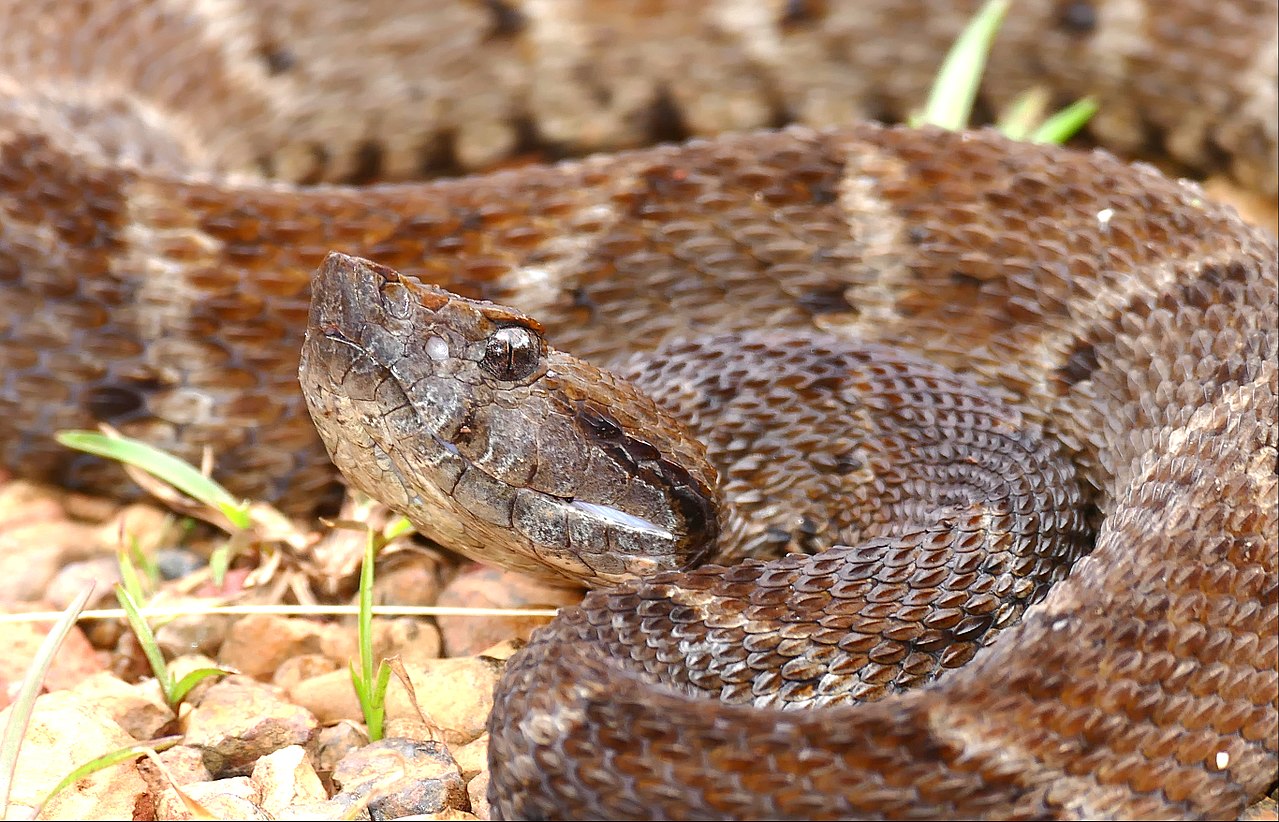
x: 1121, y: 314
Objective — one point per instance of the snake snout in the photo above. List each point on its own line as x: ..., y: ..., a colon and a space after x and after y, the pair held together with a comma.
x: 343, y: 289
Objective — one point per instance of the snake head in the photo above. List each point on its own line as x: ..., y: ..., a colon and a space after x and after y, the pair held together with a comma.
x: 459, y: 415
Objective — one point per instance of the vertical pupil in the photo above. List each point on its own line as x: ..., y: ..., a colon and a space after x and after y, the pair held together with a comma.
x: 510, y: 354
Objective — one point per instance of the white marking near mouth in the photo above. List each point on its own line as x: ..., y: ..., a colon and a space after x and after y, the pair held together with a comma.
x: 447, y: 446
x: 620, y: 517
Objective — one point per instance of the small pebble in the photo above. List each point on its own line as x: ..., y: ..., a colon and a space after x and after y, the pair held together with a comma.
x: 240, y: 720
x: 406, y: 777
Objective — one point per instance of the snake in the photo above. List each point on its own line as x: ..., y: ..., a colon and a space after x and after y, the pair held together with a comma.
x: 173, y: 175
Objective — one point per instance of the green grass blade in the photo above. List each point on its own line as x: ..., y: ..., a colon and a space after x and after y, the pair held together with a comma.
x: 950, y: 103
x: 167, y: 467
x: 379, y: 688
x: 219, y: 563
x: 145, y: 563
x: 1066, y: 123
x: 377, y: 702
x: 220, y: 558
x: 20, y: 712
x: 366, y: 608
x: 184, y: 685
x: 129, y: 577
x: 1019, y: 120
x: 106, y: 760
x: 357, y: 682
x: 397, y: 527
x: 370, y: 687
x: 373, y: 715
x: 146, y: 639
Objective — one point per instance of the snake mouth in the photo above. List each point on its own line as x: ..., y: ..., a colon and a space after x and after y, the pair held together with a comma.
x: 617, y: 516
x: 591, y: 542
x: 606, y: 514
x: 599, y: 511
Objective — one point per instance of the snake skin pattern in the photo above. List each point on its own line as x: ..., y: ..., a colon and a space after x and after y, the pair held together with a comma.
x: 1086, y: 318
x: 152, y: 278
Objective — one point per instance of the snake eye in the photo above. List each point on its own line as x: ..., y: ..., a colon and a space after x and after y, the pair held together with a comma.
x: 512, y: 353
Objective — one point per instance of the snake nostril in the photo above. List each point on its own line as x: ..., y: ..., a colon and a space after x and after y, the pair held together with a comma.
x: 397, y: 300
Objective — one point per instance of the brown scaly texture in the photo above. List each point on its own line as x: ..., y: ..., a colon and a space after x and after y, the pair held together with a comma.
x: 956, y: 515
x: 1134, y: 321
x: 145, y: 287
x: 1138, y: 324
x: 351, y: 89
